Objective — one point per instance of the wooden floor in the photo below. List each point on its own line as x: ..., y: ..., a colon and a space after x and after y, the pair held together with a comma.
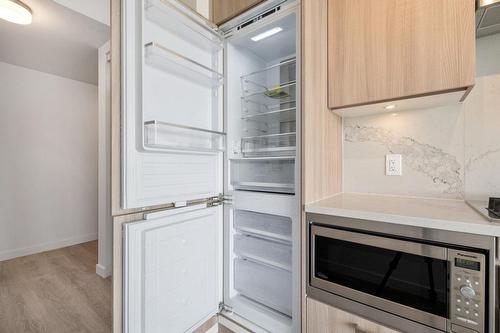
x: 55, y: 291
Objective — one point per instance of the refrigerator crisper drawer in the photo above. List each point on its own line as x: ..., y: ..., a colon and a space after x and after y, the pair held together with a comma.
x: 267, y: 285
x: 273, y: 226
x: 276, y: 176
x: 281, y: 144
x: 262, y: 250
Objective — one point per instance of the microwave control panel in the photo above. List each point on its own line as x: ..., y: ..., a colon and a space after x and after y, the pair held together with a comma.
x: 467, y: 290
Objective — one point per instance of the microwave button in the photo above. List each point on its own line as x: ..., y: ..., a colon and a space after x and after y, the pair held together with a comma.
x: 472, y: 322
x: 476, y: 305
x: 462, y: 319
x: 467, y: 291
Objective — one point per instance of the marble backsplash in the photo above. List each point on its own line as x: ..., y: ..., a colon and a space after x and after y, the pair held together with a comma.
x: 448, y: 152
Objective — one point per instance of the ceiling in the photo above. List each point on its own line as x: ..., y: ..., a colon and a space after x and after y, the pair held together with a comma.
x: 60, y: 41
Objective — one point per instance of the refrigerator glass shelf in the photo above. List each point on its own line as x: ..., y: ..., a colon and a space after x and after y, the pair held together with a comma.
x: 177, y: 64
x: 279, y: 115
x: 167, y: 136
x: 265, y: 187
x: 274, y: 98
x: 196, y: 29
x: 269, y: 79
x: 282, y: 144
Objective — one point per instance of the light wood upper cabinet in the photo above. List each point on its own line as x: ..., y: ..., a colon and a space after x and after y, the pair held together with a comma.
x: 322, y: 318
x: 224, y: 10
x: 382, y: 50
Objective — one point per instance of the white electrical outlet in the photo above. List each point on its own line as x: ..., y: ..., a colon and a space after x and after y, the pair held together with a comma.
x: 393, y: 165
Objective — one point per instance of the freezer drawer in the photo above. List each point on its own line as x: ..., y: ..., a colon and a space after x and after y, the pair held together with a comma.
x: 273, y: 226
x: 265, y: 284
x: 273, y: 253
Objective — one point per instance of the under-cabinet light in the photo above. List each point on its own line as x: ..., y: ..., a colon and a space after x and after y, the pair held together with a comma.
x: 15, y: 11
x: 266, y: 34
x: 390, y: 106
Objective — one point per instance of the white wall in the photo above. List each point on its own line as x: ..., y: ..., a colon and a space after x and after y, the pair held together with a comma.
x: 98, y: 10
x: 451, y: 152
x: 48, y: 169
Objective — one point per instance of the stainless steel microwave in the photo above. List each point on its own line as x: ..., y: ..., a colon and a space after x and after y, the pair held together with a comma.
x: 440, y: 285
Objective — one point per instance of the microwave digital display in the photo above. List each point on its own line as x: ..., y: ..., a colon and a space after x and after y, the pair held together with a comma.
x: 468, y: 264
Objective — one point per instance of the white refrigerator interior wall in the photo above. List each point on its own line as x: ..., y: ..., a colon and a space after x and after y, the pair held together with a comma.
x: 448, y: 152
x: 48, y: 174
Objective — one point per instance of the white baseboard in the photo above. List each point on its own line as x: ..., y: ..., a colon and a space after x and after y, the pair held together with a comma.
x: 11, y: 254
x: 102, y: 271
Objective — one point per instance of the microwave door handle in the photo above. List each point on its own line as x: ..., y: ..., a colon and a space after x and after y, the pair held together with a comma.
x: 410, y: 247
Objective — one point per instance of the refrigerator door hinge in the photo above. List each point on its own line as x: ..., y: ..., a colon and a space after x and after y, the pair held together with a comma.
x: 224, y: 307
x: 215, y: 201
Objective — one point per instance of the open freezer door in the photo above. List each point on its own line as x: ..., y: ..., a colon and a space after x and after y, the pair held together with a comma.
x: 172, y: 124
x: 171, y: 270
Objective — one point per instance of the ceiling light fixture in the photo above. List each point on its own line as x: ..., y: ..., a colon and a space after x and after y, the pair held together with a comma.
x: 15, y: 11
x: 266, y: 34
x: 390, y: 106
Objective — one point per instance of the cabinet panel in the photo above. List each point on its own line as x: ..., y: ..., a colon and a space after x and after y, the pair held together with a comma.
x: 393, y: 49
x: 322, y: 318
x: 224, y: 10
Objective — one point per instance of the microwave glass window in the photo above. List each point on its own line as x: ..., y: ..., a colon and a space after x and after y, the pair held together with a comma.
x: 412, y: 280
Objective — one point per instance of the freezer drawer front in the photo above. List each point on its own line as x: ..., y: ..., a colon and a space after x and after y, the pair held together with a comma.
x: 266, y: 284
x: 172, y: 271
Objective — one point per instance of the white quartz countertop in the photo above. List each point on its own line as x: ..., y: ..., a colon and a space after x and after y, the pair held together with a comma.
x: 453, y: 215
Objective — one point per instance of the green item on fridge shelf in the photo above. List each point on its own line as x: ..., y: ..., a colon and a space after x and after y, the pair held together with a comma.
x: 276, y: 92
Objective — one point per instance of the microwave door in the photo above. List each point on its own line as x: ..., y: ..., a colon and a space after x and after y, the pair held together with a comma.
x: 172, y: 126
x: 400, y: 277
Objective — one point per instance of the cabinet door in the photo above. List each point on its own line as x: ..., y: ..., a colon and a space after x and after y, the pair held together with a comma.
x: 382, y: 50
x: 224, y: 10
x: 322, y: 318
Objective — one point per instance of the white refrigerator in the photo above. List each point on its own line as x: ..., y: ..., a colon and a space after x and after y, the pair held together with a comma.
x: 210, y: 124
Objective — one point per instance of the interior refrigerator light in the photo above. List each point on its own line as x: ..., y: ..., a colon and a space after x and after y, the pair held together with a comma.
x: 15, y: 11
x: 266, y: 34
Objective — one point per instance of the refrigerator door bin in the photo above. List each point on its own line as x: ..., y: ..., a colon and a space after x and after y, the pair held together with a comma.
x: 270, y: 79
x: 271, y: 175
x: 167, y: 136
x: 282, y: 144
x: 265, y: 284
x: 170, y: 61
x: 276, y: 254
x: 183, y: 23
x: 264, y: 225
